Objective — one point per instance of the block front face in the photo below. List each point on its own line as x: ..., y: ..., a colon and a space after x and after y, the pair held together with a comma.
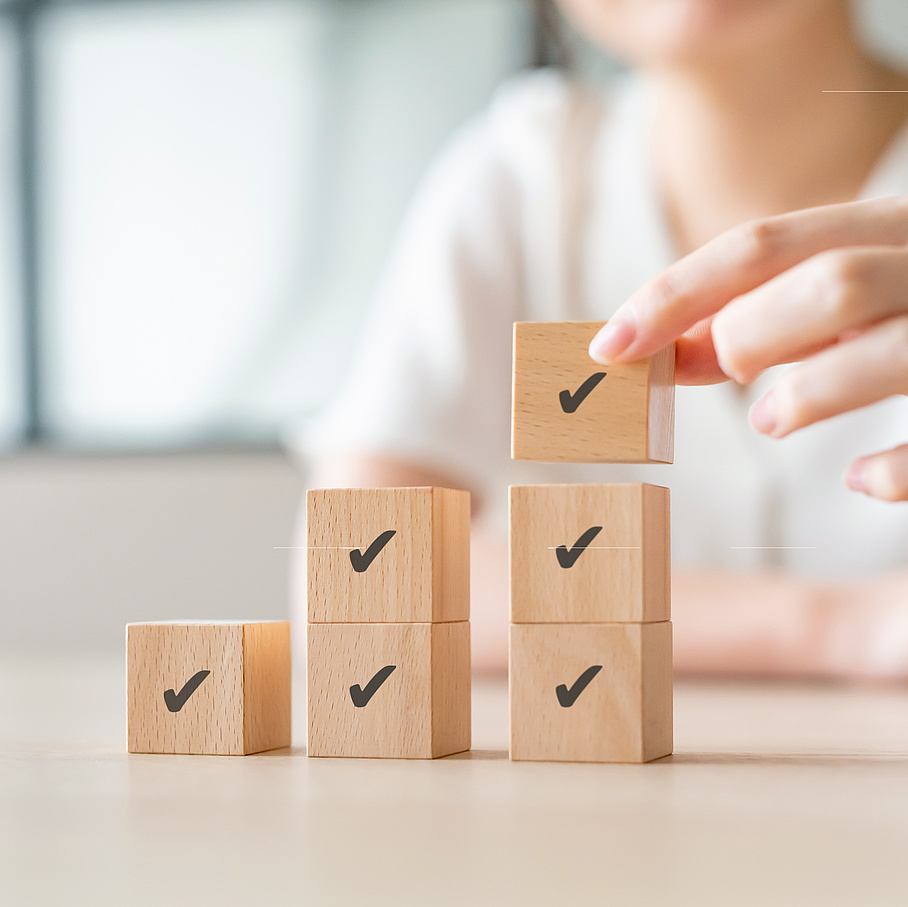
x: 590, y: 553
x: 591, y: 693
x: 388, y: 690
x: 566, y: 407
x: 388, y: 555
x: 162, y: 657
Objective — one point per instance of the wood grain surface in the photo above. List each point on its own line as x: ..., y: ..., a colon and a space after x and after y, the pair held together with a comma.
x: 243, y: 704
x: 628, y: 417
x: 624, y: 714
x: 623, y: 574
x: 420, y: 711
x: 422, y: 574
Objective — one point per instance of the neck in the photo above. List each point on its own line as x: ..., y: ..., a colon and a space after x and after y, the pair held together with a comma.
x: 753, y: 134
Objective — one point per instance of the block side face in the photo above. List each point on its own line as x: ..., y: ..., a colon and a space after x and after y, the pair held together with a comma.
x: 658, y: 703
x: 208, y: 711
x: 450, y: 555
x: 394, y: 579
x: 603, y: 722
x: 656, y: 553
x: 266, y: 686
x: 451, y: 715
x: 661, y: 411
x: 396, y: 720
x: 604, y: 422
x: 577, y: 553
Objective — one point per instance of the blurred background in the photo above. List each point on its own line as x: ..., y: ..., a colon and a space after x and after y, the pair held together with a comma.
x: 196, y: 199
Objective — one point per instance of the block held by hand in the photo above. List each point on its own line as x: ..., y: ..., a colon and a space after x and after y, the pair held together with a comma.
x: 568, y: 408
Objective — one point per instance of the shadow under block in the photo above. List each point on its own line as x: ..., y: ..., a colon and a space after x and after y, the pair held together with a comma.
x: 358, y: 706
x: 622, y: 574
x: 240, y: 706
x: 420, y: 573
x: 568, y: 408
x: 622, y: 714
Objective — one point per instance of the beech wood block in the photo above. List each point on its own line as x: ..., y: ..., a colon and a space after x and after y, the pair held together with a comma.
x: 591, y: 692
x: 219, y: 688
x: 566, y: 407
x: 392, y: 555
x: 399, y: 691
x: 590, y: 553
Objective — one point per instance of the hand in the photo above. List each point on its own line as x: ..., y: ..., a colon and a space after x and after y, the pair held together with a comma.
x: 826, y: 286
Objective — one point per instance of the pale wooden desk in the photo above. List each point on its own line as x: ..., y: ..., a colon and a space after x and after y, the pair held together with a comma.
x: 776, y: 795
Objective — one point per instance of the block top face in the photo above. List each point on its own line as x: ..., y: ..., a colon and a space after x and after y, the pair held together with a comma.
x: 590, y: 553
x: 568, y: 408
x: 202, y: 623
x: 388, y: 555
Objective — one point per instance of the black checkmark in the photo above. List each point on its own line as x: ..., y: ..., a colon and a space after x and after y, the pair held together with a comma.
x: 570, y: 402
x: 176, y: 701
x: 566, y: 558
x: 362, y: 695
x: 361, y: 561
x: 567, y: 697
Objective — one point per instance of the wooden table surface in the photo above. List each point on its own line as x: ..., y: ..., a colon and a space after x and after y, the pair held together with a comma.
x: 775, y: 795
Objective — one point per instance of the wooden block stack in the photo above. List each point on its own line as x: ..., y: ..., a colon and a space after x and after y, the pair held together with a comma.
x: 388, y: 584
x: 219, y: 688
x: 591, y: 635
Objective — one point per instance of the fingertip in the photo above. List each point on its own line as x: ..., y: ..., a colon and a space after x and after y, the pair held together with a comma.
x: 764, y: 417
x: 856, y: 476
x: 613, y: 339
x: 883, y: 476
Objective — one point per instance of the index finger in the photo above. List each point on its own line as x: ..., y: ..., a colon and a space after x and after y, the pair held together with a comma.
x: 735, y: 262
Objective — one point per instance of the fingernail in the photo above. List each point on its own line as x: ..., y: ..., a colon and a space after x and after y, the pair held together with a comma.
x: 613, y: 339
x: 856, y: 477
x: 762, y: 418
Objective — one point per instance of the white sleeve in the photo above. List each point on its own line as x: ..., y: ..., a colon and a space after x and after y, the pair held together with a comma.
x: 431, y: 381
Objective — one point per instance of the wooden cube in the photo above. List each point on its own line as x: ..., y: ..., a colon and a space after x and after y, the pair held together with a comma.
x: 391, y: 555
x: 590, y: 553
x: 591, y: 693
x: 219, y: 688
x: 566, y: 407
x: 398, y: 691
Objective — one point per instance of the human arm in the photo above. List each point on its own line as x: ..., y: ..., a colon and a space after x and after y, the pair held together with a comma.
x: 775, y: 624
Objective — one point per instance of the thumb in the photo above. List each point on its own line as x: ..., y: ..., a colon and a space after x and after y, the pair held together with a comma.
x: 695, y: 356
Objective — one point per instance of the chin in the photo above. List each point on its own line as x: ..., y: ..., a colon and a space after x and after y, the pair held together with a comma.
x: 650, y: 32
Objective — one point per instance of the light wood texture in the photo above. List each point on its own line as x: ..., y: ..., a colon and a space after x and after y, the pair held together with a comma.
x: 628, y: 417
x: 266, y: 685
x: 422, y: 574
x: 242, y: 706
x: 622, y: 575
x: 420, y: 711
x: 624, y: 714
x: 777, y: 793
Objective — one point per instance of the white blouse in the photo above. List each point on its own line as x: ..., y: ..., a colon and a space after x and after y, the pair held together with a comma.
x: 545, y: 209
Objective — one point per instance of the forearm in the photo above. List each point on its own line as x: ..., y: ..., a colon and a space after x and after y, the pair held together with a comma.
x: 748, y: 624
x: 784, y: 626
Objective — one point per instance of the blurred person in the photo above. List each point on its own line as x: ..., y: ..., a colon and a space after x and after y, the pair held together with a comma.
x: 560, y: 203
